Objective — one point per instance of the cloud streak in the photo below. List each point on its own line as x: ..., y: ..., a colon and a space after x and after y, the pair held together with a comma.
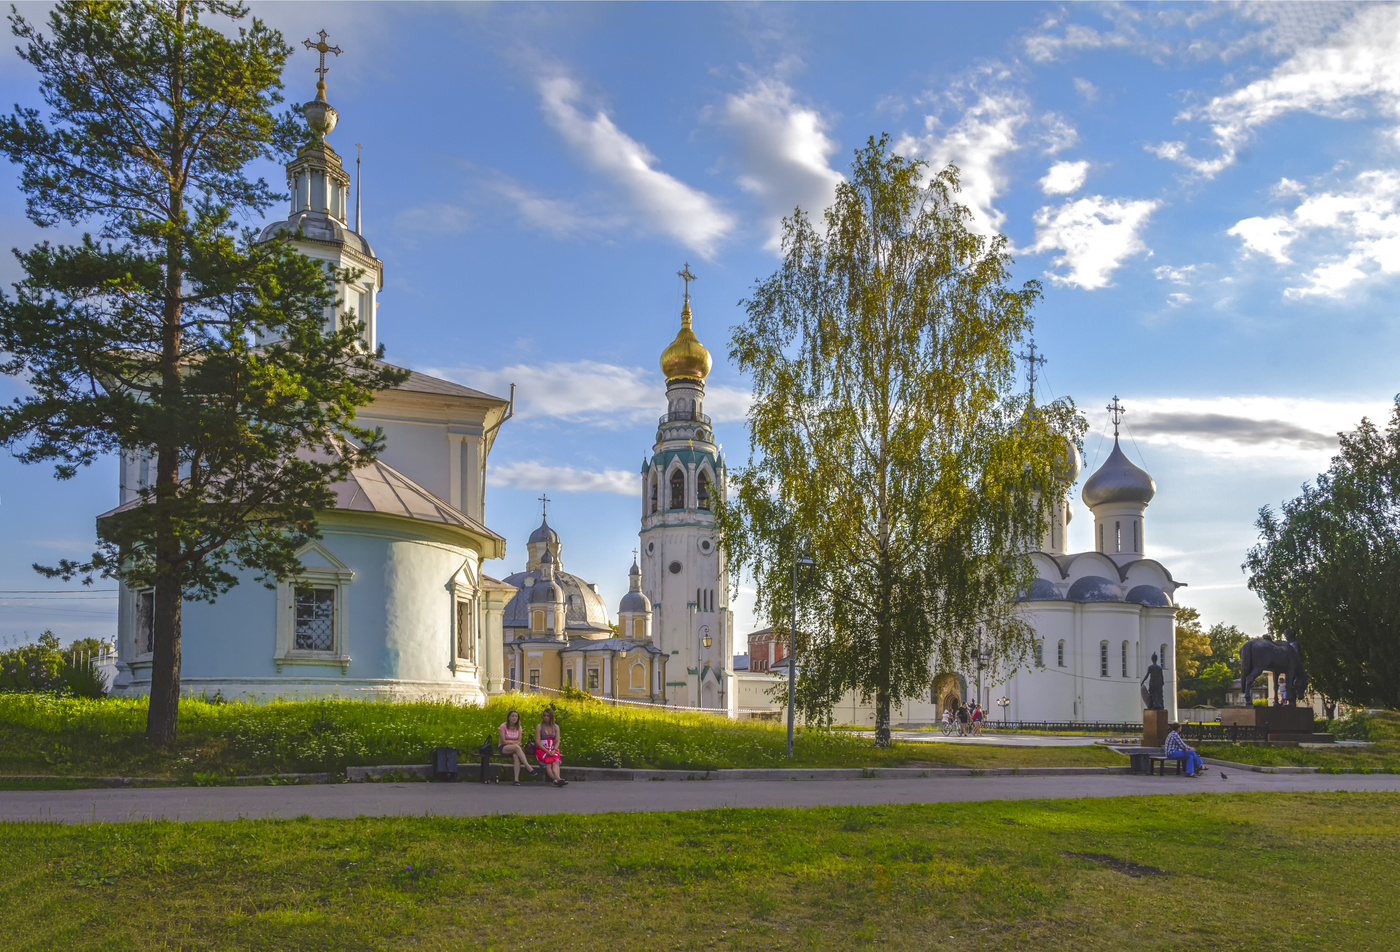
x: 1096, y: 235
x: 590, y: 392
x: 533, y: 474
x: 689, y: 216
x: 784, y: 152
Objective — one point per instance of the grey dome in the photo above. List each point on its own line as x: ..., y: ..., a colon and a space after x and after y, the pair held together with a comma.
x: 1070, y: 465
x: 544, y: 533
x: 318, y: 226
x: 1041, y: 590
x: 1118, y: 480
x: 1093, y: 588
x: 634, y: 602
x: 543, y: 592
x: 1149, y: 596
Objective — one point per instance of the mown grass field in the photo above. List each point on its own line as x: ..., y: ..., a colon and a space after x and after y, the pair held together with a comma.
x: 45, y: 735
x: 1384, y: 756
x: 1202, y: 872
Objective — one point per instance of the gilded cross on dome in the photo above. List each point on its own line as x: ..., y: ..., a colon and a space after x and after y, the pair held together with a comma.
x: 685, y: 275
x: 544, y: 505
x: 1032, y: 362
x: 1116, y: 411
x: 323, y: 48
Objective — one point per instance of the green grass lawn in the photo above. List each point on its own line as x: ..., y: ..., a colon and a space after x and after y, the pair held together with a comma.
x: 44, y: 735
x: 1384, y: 756
x: 1201, y: 872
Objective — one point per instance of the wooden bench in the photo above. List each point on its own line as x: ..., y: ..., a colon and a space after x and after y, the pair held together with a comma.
x: 502, y: 760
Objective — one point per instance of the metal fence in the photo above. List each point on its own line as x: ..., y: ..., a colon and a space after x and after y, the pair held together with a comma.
x: 1231, y: 733
x: 1067, y: 727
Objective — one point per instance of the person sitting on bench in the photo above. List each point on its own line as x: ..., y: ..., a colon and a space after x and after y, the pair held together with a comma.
x: 1177, y: 750
x: 510, y: 733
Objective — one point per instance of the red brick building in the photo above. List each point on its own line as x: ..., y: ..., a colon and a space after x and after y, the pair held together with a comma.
x: 767, y: 648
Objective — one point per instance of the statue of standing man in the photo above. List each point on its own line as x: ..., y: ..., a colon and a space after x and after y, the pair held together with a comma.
x: 1154, y: 680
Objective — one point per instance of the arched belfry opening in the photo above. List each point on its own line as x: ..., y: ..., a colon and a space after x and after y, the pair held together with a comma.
x: 677, y: 489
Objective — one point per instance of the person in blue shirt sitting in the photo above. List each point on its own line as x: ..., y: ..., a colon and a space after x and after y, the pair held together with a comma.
x: 1178, y: 750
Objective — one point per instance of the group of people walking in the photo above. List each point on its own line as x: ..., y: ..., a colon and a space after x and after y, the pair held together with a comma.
x: 965, y: 721
x: 546, y: 746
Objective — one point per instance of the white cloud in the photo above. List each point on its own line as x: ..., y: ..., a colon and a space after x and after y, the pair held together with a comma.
x: 1355, y: 64
x: 532, y: 474
x: 1096, y: 234
x: 1179, y: 299
x: 1088, y: 90
x: 1057, y: 133
x: 1064, y: 178
x: 1182, y: 275
x: 1349, y: 233
x: 784, y: 152
x: 1298, y: 433
x: 556, y: 216
x: 1267, y: 236
x: 688, y: 215
x: 590, y: 392
x: 986, y: 132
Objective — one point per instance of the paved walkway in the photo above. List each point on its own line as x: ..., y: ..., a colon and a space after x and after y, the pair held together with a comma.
x: 471, y: 799
x: 996, y: 739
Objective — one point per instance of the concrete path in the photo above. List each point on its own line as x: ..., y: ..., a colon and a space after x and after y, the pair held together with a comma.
x: 471, y: 799
x: 995, y: 739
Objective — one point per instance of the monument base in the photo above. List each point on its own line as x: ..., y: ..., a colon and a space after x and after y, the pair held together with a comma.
x: 1282, y: 720
x: 1154, y: 728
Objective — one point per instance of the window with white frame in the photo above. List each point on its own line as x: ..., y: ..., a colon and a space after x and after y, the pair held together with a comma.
x: 534, y: 679
x: 1125, y: 659
x: 1060, y: 653
x: 1103, y: 659
x: 592, y: 679
x: 1040, y: 654
x: 639, y: 676
x: 313, y: 620
x: 466, y: 630
x: 145, y: 629
x: 1162, y: 655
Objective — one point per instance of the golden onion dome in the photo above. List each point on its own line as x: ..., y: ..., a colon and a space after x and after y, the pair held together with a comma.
x: 685, y: 356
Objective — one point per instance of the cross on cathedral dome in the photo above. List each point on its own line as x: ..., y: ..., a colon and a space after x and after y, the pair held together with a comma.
x: 685, y: 358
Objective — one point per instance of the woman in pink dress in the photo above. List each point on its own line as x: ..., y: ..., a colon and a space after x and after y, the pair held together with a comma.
x: 510, y: 733
x: 547, y: 747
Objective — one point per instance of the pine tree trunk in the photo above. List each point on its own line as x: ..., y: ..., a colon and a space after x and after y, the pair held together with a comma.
x: 163, y: 715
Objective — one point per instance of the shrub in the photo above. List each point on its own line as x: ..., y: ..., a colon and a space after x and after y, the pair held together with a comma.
x: 1351, y: 727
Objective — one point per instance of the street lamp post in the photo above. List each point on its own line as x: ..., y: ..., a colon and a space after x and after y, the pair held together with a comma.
x: 797, y: 559
x: 1003, y: 703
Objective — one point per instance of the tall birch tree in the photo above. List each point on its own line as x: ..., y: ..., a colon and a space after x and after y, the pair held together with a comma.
x: 886, y: 442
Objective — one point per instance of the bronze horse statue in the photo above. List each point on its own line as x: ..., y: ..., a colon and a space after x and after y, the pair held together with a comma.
x: 1281, y: 657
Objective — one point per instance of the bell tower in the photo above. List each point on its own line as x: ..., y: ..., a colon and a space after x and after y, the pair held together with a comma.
x: 683, y: 571
x: 317, y: 225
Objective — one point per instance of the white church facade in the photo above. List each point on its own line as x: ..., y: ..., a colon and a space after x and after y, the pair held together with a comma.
x: 1096, y: 617
x: 392, y: 601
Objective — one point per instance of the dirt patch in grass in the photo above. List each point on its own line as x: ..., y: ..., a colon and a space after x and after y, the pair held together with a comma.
x: 1120, y: 865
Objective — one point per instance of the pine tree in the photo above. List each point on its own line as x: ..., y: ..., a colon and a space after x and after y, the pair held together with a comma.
x: 139, y: 338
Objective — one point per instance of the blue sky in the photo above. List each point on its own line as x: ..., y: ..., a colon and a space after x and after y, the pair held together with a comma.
x: 1209, y: 194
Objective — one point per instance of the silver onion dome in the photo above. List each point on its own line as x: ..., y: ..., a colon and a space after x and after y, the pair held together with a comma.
x: 1118, y: 480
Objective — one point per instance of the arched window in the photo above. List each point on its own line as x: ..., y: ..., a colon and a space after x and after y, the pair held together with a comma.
x: 654, y: 489
x: 1040, y: 654
x: 1125, y: 659
x: 677, y: 489
x: 1137, y: 543
x: 1060, y: 653
x: 702, y: 491
x: 639, y: 677
x: 1118, y: 537
x: 1162, y: 656
x: 1103, y: 659
x: 1100, y: 536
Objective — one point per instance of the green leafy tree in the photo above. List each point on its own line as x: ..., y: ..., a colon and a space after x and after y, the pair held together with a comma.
x: 1192, y: 645
x: 885, y: 440
x: 1326, y: 567
x: 1225, y: 641
x: 139, y: 338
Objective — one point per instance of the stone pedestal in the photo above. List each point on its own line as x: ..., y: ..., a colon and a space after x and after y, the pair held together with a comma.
x: 1154, y: 728
x: 1282, y: 724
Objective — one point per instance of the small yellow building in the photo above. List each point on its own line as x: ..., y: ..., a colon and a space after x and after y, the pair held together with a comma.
x: 557, y: 636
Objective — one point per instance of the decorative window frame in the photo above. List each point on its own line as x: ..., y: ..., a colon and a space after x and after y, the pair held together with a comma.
x: 1103, y: 659
x: 671, y: 471
x: 632, y: 679
x: 1060, y: 654
x: 143, y: 648
x: 465, y: 592
x: 334, y: 574
x: 1125, y: 659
